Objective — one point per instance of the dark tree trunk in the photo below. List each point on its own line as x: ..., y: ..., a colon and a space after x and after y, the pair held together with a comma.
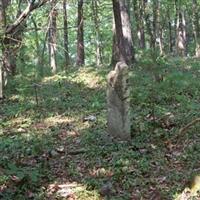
x: 139, y: 7
x: 115, y: 48
x: 123, y: 32
x: 52, y: 37
x: 38, y: 49
x: 11, y: 42
x: 149, y: 27
x: 127, y: 33
x: 196, y: 28
x: 157, y: 31
x: 142, y: 32
x: 118, y: 31
x: 80, y: 60
x: 97, y: 32
x: 66, y: 49
x: 155, y: 22
x: 170, y: 32
x: 2, y: 28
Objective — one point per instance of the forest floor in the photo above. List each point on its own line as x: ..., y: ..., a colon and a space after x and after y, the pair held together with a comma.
x: 53, y: 141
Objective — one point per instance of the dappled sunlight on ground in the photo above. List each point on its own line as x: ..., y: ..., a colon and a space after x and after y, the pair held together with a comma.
x: 90, y: 79
x: 191, y: 190
x: 70, y: 190
x: 53, y: 78
x: 62, y: 148
x: 87, y: 76
x: 187, y: 195
x: 58, y: 120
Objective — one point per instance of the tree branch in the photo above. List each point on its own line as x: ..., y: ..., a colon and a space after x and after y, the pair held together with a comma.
x: 31, y: 6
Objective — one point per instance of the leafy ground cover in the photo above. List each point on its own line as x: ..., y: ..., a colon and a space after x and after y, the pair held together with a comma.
x: 53, y: 141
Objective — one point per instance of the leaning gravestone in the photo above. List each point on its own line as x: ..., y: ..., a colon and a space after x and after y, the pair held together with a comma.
x: 118, y: 102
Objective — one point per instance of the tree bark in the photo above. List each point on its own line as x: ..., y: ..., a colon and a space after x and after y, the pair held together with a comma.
x: 155, y: 22
x: 8, y: 34
x: 157, y: 30
x: 180, y: 30
x: 170, y: 32
x: 139, y: 7
x: 115, y: 48
x: 181, y: 35
x: 2, y: 27
x: 66, y: 49
x: 12, y: 43
x: 31, y: 6
x: 52, y: 37
x: 97, y: 32
x: 142, y: 32
x: 127, y: 32
x: 80, y: 60
x: 123, y: 32
x: 196, y: 27
x: 149, y: 27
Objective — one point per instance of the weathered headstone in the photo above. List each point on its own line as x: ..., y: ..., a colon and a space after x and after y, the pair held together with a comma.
x: 118, y: 102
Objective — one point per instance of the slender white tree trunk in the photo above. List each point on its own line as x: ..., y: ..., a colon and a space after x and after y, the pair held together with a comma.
x: 52, y: 37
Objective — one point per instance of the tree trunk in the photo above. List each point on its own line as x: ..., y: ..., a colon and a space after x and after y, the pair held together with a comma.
x: 97, y: 32
x: 2, y: 28
x: 123, y: 32
x: 196, y: 27
x: 80, y: 60
x: 155, y: 22
x: 149, y: 27
x: 66, y: 49
x: 38, y: 50
x: 127, y: 33
x: 52, y: 37
x: 11, y: 37
x: 115, y: 48
x: 142, y: 32
x: 180, y: 30
x: 139, y: 7
x: 118, y: 30
x: 181, y: 35
x: 170, y: 32
x: 159, y: 28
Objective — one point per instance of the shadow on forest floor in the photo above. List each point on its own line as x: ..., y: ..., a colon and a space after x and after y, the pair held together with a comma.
x: 53, y: 151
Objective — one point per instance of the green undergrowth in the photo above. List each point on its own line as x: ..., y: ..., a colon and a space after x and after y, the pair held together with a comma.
x: 49, y: 150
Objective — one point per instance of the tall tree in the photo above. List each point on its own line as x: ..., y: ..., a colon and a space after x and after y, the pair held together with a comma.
x: 66, y: 49
x: 2, y: 27
x: 139, y: 10
x: 8, y: 31
x: 80, y: 60
x: 170, y: 43
x: 97, y: 32
x: 180, y: 29
x: 127, y: 32
x: 52, y: 36
x: 123, y: 32
x: 12, y: 43
x: 149, y: 26
x: 196, y: 27
x: 115, y: 47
